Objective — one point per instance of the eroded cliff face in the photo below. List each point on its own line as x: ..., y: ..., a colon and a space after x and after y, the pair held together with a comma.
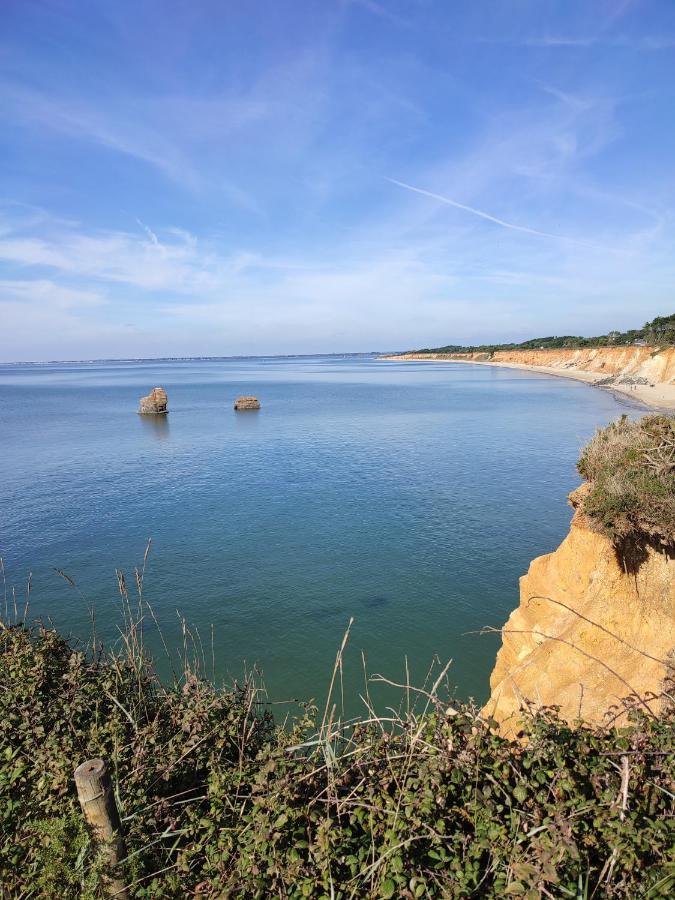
x: 655, y: 365
x: 587, y: 633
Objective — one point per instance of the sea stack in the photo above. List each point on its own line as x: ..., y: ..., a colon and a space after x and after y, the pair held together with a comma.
x: 244, y: 403
x: 155, y: 404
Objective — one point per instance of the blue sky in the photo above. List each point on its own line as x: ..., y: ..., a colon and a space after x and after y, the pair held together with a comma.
x: 243, y: 177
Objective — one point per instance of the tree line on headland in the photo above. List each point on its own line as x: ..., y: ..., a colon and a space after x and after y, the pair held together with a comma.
x: 660, y: 331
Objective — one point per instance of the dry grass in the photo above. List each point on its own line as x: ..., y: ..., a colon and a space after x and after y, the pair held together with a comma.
x: 631, y: 467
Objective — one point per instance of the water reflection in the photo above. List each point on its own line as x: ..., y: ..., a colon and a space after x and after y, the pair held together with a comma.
x: 156, y: 427
x: 246, y: 419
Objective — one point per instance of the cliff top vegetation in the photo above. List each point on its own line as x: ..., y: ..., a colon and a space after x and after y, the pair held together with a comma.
x: 660, y: 331
x: 631, y: 469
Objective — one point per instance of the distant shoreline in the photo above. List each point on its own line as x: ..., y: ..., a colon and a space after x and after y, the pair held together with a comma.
x: 160, y: 359
x: 656, y: 396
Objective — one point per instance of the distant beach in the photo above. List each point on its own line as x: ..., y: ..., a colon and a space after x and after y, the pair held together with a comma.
x: 658, y: 396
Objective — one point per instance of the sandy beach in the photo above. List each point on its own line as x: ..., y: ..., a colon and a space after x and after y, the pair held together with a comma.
x: 657, y: 396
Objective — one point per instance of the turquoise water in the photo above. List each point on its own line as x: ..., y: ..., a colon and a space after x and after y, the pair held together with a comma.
x: 410, y: 496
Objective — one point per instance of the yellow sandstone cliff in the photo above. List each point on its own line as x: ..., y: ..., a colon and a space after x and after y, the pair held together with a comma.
x: 588, y: 631
x: 656, y: 365
x: 645, y: 373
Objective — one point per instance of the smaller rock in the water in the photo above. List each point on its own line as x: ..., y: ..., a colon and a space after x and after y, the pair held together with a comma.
x: 246, y: 403
x: 155, y: 403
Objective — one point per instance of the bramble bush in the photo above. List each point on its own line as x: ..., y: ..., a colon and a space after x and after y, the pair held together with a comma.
x: 217, y: 800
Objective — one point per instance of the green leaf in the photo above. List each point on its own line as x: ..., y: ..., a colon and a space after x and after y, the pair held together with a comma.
x: 520, y: 793
x: 387, y: 889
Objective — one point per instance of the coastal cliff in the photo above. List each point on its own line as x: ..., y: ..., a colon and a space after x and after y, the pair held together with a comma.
x: 648, y: 372
x: 595, y: 625
x: 590, y: 630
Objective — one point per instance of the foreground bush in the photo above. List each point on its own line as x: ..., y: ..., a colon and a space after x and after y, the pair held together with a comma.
x: 218, y: 801
x: 631, y: 467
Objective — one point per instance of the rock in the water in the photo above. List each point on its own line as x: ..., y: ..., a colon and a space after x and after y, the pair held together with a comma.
x: 246, y: 403
x: 155, y: 403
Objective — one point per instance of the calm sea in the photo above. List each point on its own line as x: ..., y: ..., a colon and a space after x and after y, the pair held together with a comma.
x: 409, y: 496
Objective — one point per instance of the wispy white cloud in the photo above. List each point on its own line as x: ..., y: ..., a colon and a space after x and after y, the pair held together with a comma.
x: 558, y: 40
x: 46, y: 293
x: 619, y: 8
x: 75, y: 118
x: 114, y: 256
x: 168, y: 260
x: 45, y: 319
x: 575, y: 102
x: 149, y: 130
x: 377, y: 9
x: 653, y: 43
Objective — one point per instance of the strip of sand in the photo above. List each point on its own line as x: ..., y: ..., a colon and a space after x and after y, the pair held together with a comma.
x: 659, y: 396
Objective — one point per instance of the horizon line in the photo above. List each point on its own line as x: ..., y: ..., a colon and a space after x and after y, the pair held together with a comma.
x: 110, y: 359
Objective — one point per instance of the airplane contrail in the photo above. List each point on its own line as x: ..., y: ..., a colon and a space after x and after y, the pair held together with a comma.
x: 150, y: 233
x: 484, y: 215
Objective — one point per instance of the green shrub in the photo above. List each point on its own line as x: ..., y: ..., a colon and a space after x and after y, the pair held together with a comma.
x: 660, y: 331
x: 218, y: 801
x: 631, y: 470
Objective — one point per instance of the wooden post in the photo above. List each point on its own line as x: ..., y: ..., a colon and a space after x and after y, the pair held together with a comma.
x: 95, y: 793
